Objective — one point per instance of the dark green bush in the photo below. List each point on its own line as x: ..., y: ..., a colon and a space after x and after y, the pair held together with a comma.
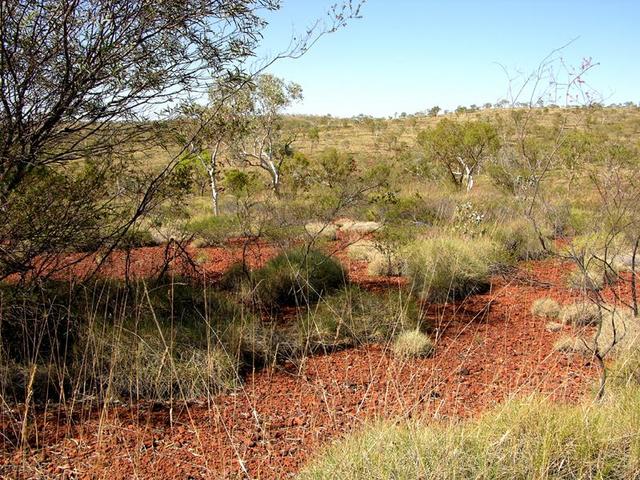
x: 298, y: 277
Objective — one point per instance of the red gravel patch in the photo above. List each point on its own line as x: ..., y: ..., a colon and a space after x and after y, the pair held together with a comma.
x: 489, y: 348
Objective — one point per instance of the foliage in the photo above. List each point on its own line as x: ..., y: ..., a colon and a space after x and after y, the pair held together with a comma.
x: 529, y: 438
x: 520, y: 240
x: 353, y: 317
x: 298, y: 277
x: 461, y: 147
x: 447, y: 268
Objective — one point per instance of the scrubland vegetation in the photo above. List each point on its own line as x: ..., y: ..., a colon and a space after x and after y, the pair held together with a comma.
x: 252, y: 241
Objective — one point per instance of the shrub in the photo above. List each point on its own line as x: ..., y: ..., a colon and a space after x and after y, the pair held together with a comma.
x: 355, y: 316
x: 412, y: 343
x: 520, y: 240
x: 151, y: 340
x: 545, y: 307
x: 297, y: 277
x: 234, y: 277
x: 580, y: 314
x: 211, y: 230
x: 591, y: 279
x: 442, y: 269
x: 618, y: 332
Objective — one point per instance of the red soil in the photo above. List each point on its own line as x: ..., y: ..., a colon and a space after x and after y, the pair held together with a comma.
x: 489, y: 348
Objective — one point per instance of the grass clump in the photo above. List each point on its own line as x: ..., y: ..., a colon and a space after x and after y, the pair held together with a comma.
x: 531, y: 438
x: 580, y: 314
x: 520, y: 240
x: 358, y: 227
x: 322, y: 230
x: 446, y: 268
x: 412, y: 344
x: 362, y: 251
x: 545, y: 308
x: 298, y: 277
x: 354, y: 317
x: 386, y: 265
x: 210, y: 231
x: 617, y: 332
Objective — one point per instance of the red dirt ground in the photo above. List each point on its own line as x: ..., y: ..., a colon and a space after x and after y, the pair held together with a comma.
x: 489, y: 348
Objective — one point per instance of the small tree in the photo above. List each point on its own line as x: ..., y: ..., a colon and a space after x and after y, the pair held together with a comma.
x: 263, y: 142
x: 461, y: 147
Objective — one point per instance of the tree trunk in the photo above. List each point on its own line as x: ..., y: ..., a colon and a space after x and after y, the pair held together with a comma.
x: 212, y: 170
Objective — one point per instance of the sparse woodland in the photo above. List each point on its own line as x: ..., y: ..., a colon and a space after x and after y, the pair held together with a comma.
x: 204, y: 286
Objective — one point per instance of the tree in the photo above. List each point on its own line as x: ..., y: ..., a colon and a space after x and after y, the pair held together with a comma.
x: 434, y: 111
x: 258, y: 108
x: 77, y: 81
x: 461, y: 147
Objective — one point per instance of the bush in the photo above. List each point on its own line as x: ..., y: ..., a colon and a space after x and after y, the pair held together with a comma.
x: 591, y: 279
x: 354, y: 317
x: 151, y: 340
x: 442, y: 269
x: 580, y: 314
x: 546, y: 308
x: 531, y: 438
x: 411, y: 344
x: 211, y: 230
x: 297, y: 277
x: 389, y: 265
x: 618, y: 332
x: 234, y: 277
x: 520, y: 240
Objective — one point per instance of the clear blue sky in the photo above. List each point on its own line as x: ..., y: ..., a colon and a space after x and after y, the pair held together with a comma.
x: 408, y: 55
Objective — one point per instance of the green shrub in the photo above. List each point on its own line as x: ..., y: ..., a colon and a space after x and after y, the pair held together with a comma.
x: 411, y: 344
x: 234, y: 277
x: 211, y: 230
x: 355, y: 316
x: 442, y: 269
x: 546, y: 308
x: 297, y: 277
x: 520, y: 240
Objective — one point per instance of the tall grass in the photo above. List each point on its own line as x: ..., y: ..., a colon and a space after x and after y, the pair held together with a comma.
x: 447, y: 268
x: 527, y: 439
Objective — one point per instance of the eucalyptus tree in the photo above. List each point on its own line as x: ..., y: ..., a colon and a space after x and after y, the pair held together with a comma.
x: 460, y: 147
x: 264, y: 143
x: 78, y: 81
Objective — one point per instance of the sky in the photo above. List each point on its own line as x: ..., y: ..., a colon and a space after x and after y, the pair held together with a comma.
x: 410, y: 55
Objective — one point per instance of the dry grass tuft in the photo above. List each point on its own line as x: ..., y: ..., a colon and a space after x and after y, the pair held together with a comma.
x: 546, y: 308
x: 580, y: 314
x: 412, y: 344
